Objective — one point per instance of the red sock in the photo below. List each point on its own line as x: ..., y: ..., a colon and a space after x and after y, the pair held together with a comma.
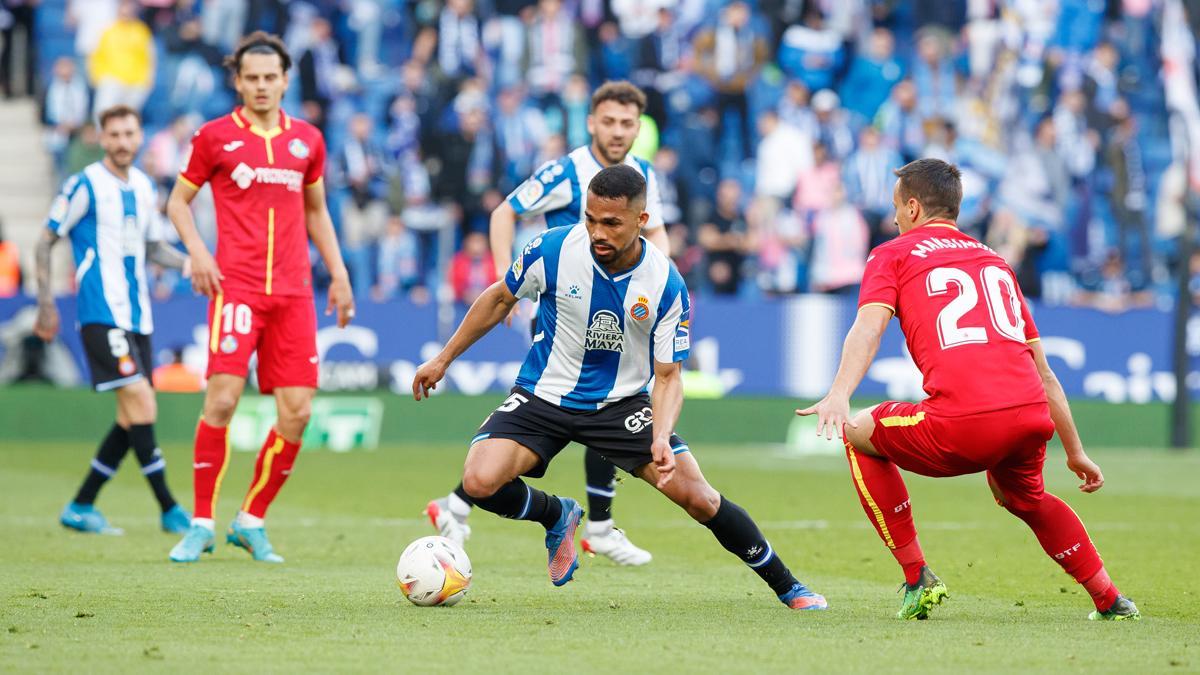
x: 272, y: 469
x: 211, y: 457
x: 1064, y: 538
x: 884, y: 498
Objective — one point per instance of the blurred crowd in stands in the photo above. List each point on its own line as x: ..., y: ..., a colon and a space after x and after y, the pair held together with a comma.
x: 774, y: 125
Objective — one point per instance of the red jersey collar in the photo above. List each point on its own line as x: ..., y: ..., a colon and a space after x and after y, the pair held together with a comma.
x: 243, y: 122
x: 933, y: 223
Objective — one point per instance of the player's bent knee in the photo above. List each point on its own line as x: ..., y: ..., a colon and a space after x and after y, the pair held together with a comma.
x: 481, y: 483
x: 136, y: 403
x: 702, y: 503
x: 295, y: 418
x: 219, y: 408
x: 859, y: 434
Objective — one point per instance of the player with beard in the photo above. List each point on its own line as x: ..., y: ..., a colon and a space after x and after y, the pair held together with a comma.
x: 614, y: 313
x: 110, y: 213
x: 556, y: 195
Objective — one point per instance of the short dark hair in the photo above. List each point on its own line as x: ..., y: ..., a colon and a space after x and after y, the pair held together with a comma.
x: 937, y: 185
x: 619, y: 182
x: 117, y: 112
x: 622, y: 92
x: 258, y: 42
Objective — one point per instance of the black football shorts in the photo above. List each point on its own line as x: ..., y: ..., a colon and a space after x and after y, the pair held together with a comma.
x: 621, y: 432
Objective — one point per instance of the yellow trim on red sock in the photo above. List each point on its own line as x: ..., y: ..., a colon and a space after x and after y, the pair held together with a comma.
x: 272, y: 452
x: 862, y: 488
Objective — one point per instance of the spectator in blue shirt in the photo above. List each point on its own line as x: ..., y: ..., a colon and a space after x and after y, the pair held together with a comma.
x: 872, y: 75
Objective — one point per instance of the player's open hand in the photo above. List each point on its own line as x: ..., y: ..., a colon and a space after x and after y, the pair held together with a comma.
x: 832, y: 413
x: 45, y: 325
x: 1088, y: 471
x: 427, y: 378
x: 341, y: 299
x: 206, y: 276
x: 664, y: 461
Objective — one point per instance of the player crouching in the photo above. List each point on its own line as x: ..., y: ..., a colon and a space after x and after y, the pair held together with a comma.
x: 993, y: 400
x: 613, y: 312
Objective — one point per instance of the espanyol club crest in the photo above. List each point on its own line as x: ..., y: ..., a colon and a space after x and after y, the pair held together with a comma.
x: 125, y: 366
x: 298, y: 148
x: 641, y: 309
x: 229, y: 344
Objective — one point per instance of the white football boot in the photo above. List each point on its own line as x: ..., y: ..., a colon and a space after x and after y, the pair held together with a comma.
x: 614, y: 545
x: 445, y: 523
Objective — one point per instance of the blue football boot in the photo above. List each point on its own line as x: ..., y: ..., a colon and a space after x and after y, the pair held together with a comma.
x: 86, y: 518
x: 199, y: 539
x: 254, y: 540
x: 176, y: 520
x: 799, y: 597
x: 563, y: 559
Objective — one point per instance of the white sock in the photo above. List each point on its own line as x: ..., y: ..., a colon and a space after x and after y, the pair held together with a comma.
x: 599, y: 528
x: 248, y: 521
x: 206, y: 523
x: 458, y: 508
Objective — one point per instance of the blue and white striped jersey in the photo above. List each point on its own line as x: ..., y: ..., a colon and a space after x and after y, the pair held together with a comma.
x: 108, y: 221
x: 598, y: 335
x: 557, y: 191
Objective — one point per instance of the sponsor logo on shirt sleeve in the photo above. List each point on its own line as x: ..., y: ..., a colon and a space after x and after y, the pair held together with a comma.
x: 530, y: 193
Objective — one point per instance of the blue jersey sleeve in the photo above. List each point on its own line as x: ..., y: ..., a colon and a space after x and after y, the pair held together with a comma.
x: 70, y: 206
x: 673, y: 332
x: 549, y: 188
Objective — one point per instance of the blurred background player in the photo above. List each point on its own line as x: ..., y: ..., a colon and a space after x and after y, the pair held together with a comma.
x: 993, y: 400
x: 555, y: 196
x: 266, y: 173
x: 622, y: 318
x: 110, y: 212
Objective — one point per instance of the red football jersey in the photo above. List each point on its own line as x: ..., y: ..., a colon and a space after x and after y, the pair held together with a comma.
x: 964, y: 319
x: 258, y: 181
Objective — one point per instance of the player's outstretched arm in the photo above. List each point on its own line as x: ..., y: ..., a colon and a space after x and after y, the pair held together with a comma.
x: 320, y: 231
x: 45, y: 326
x: 489, y: 309
x: 862, y: 342
x: 206, y: 276
x: 1060, y: 411
x: 666, y: 402
x: 502, y: 228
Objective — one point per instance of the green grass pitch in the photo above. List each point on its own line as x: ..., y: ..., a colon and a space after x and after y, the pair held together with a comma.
x: 71, y: 602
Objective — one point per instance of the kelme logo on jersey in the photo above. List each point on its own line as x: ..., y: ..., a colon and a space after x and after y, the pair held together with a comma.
x: 640, y: 309
x: 298, y: 148
x: 244, y: 177
x: 605, y: 333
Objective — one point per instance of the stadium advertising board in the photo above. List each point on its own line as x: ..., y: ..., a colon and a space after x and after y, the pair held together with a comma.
x: 759, y: 347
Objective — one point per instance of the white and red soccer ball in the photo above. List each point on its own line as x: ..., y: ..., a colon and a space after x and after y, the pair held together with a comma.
x: 434, y: 571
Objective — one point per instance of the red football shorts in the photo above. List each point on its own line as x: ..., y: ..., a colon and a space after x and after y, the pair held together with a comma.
x: 282, y: 329
x: 1009, y: 444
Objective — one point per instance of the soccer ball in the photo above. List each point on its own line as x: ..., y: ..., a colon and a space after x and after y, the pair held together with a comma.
x: 434, y: 571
